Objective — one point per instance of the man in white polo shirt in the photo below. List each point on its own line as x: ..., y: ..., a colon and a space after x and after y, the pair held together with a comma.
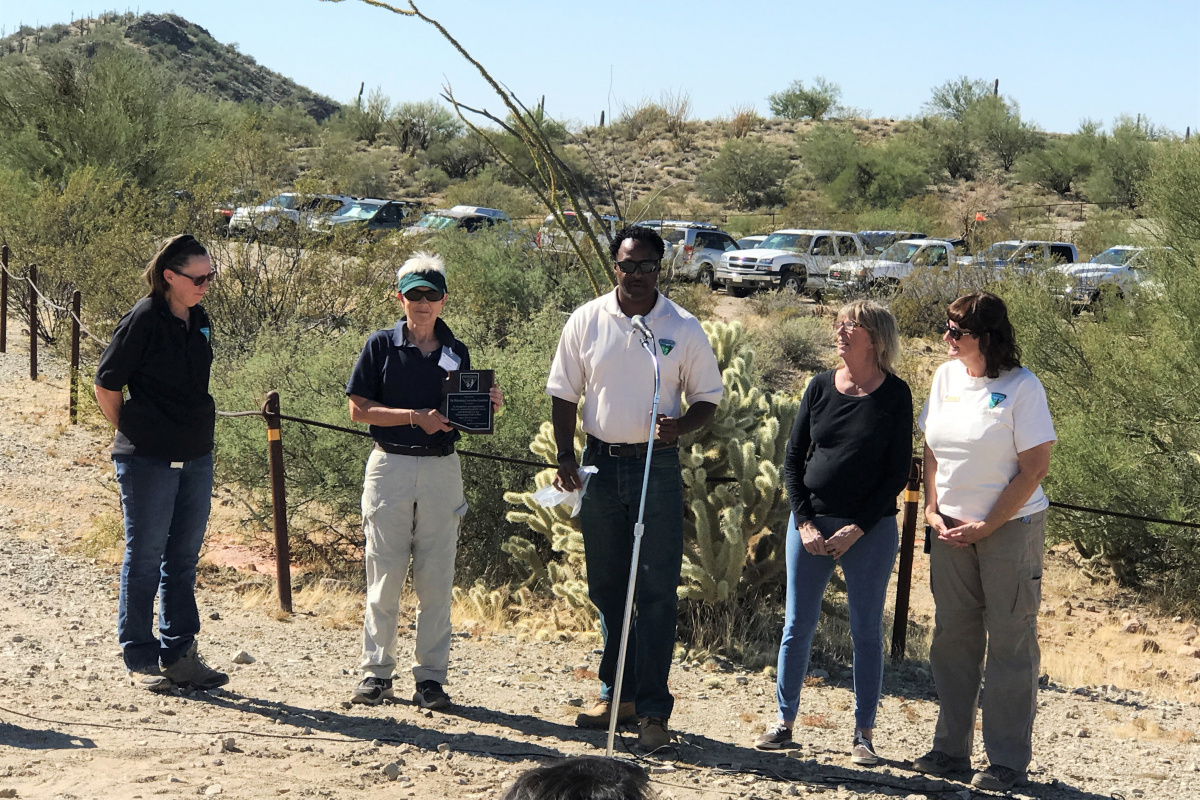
x: 600, y: 359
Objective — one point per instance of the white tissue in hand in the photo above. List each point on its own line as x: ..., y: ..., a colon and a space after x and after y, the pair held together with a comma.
x: 549, y: 496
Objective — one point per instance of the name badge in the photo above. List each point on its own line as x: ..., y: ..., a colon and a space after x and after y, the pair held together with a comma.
x: 176, y: 465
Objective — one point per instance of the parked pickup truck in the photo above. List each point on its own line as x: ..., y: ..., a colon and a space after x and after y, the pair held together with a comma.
x: 894, y: 264
x: 550, y: 236
x: 791, y: 259
x: 1022, y: 255
x: 1121, y: 266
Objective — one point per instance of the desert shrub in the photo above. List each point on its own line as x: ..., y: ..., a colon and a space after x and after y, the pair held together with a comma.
x: 828, y: 150
x: 953, y: 148
x: 1122, y: 162
x: 799, y: 102
x: 743, y: 121
x: 414, y: 127
x: 955, y: 96
x: 346, y: 170
x: 460, y: 157
x: 644, y: 119
x: 486, y: 189
x: 699, y: 300
x: 882, y: 175
x: 367, y: 119
x: 431, y: 180
x: 1064, y: 164
x: 747, y: 173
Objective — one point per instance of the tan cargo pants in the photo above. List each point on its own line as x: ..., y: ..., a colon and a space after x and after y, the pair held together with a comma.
x: 411, y: 508
x: 986, y: 598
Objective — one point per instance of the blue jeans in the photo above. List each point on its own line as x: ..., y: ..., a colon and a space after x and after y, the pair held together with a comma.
x: 166, y: 513
x: 607, y: 517
x: 867, y: 566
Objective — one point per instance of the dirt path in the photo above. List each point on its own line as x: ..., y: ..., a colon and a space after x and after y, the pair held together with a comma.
x: 71, y: 726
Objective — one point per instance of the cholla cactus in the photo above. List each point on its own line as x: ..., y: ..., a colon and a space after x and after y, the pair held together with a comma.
x: 730, y: 528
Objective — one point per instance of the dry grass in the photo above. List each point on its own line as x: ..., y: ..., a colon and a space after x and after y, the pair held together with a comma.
x: 104, y: 540
x: 817, y: 721
x: 1141, y: 728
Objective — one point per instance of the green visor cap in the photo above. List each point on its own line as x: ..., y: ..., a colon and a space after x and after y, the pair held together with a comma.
x: 423, y: 280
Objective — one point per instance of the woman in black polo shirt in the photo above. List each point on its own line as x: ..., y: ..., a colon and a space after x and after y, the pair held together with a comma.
x: 412, y: 493
x: 846, y: 461
x: 162, y: 451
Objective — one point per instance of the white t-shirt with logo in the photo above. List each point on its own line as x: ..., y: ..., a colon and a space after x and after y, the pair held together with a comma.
x: 601, y: 360
x: 975, y: 427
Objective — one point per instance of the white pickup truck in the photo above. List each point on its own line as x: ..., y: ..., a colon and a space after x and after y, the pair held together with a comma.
x: 791, y: 259
x: 895, y: 264
x: 1122, y: 266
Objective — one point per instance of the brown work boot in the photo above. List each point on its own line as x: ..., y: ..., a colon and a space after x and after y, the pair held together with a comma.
x: 598, y: 717
x: 653, y: 733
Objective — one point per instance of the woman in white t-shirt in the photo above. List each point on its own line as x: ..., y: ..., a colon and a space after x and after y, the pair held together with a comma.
x: 988, y: 436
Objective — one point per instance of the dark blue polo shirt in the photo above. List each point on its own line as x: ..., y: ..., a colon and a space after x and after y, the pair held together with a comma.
x: 165, y: 362
x: 394, y: 372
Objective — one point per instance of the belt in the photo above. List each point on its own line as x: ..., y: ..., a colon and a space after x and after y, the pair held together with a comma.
x: 625, y: 450
x: 412, y: 450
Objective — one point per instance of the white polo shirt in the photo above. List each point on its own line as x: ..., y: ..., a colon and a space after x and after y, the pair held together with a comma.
x: 976, y: 427
x: 600, y: 358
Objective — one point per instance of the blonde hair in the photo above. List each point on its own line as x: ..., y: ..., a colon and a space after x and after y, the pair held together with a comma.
x: 881, y: 325
x: 421, y: 261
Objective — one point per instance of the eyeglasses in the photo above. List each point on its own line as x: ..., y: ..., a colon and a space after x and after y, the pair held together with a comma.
x: 648, y: 266
x: 957, y: 333
x: 850, y: 325
x: 198, y: 280
x: 417, y: 295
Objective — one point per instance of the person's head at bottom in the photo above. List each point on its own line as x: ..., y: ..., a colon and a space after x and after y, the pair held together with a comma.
x: 583, y: 778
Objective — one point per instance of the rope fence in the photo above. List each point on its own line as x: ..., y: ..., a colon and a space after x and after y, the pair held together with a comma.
x: 272, y: 415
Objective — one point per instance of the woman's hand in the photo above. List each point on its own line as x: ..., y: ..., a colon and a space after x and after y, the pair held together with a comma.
x: 842, y: 539
x: 934, y: 520
x: 965, y: 534
x: 497, y: 397
x: 431, y: 420
x: 812, y: 539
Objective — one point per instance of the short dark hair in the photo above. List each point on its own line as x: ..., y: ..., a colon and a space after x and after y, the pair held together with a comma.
x: 638, y: 233
x: 583, y: 778
x: 985, y: 315
x: 174, y: 253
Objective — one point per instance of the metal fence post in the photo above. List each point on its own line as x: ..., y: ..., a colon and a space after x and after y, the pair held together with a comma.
x: 283, y: 567
x: 76, y: 302
x: 4, y: 298
x: 32, y: 323
x: 908, y: 539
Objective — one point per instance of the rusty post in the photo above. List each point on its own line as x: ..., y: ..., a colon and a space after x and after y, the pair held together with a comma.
x: 4, y: 298
x: 76, y: 302
x: 283, y: 555
x: 908, y: 539
x: 32, y: 323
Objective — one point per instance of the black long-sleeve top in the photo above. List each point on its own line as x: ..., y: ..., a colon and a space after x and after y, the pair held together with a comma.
x: 849, y: 456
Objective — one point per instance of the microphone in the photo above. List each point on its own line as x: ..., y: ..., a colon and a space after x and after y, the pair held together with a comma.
x: 639, y: 325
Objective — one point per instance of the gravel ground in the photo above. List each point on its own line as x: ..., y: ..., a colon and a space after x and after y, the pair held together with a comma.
x: 71, y: 725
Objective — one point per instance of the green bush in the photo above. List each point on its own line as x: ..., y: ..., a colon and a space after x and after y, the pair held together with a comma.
x: 414, y: 127
x: 954, y: 97
x: 799, y: 102
x: 997, y: 125
x: 1122, y: 162
x: 746, y: 173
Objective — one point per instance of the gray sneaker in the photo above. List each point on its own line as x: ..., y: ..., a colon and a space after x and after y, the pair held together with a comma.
x: 372, y: 691
x: 190, y: 672
x: 150, y: 679
x: 935, y: 762
x: 778, y: 737
x: 997, y: 778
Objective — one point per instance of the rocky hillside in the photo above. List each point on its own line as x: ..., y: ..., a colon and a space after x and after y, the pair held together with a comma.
x: 187, y: 51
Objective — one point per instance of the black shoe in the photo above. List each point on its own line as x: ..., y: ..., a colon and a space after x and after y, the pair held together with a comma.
x: 997, y: 778
x: 429, y: 694
x: 776, y: 738
x: 372, y: 691
x: 935, y: 762
x: 190, y: 672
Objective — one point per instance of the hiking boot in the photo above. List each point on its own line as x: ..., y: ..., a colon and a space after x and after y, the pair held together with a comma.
x: 863, y: 752
x: 653, y: 733
x: 151, y: 679
x: 372, y: 691
x: 776, y: 738
x: 997, y: 779
x: 190, y: 672
x: 935, y: 762
x: 429, y: 694
x: 598, y: 717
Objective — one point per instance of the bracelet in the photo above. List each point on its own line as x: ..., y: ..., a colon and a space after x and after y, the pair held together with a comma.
x: 411, y: 424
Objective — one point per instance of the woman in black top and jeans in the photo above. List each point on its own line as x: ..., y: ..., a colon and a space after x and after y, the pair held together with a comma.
x: 162, y: 451
x: 847, y: 459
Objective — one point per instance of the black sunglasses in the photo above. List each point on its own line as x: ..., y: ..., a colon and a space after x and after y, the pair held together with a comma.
x: 958, y: 333
x: 198, y: 280
x: 648, y: 266
x: 417, y: 295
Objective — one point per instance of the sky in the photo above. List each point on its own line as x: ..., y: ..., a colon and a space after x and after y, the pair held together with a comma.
x: 1062, y: 60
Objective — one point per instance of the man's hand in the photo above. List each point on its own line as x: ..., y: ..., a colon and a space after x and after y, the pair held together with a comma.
x: 666, y: 429
x: 431, y: 420
x: 840, y: 542
x: 812, y: 540
x: 497, y: 397
x: 567, y: 478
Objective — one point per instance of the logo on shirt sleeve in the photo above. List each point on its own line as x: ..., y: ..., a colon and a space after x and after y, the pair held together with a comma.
x: 206, y: 333
x: 996, y: 399
x: 666, y: 345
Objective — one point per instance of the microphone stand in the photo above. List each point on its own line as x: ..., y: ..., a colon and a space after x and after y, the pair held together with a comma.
x: 615, y: 703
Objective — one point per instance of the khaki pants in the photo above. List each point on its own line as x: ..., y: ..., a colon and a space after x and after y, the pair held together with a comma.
x: 986, y: 598
x: 411, y: 508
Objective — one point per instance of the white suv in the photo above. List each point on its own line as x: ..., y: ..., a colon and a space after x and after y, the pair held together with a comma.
x: 797, y: 260
x: 696, y: 247
x: 297, y: 209
x: 550, y: 236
